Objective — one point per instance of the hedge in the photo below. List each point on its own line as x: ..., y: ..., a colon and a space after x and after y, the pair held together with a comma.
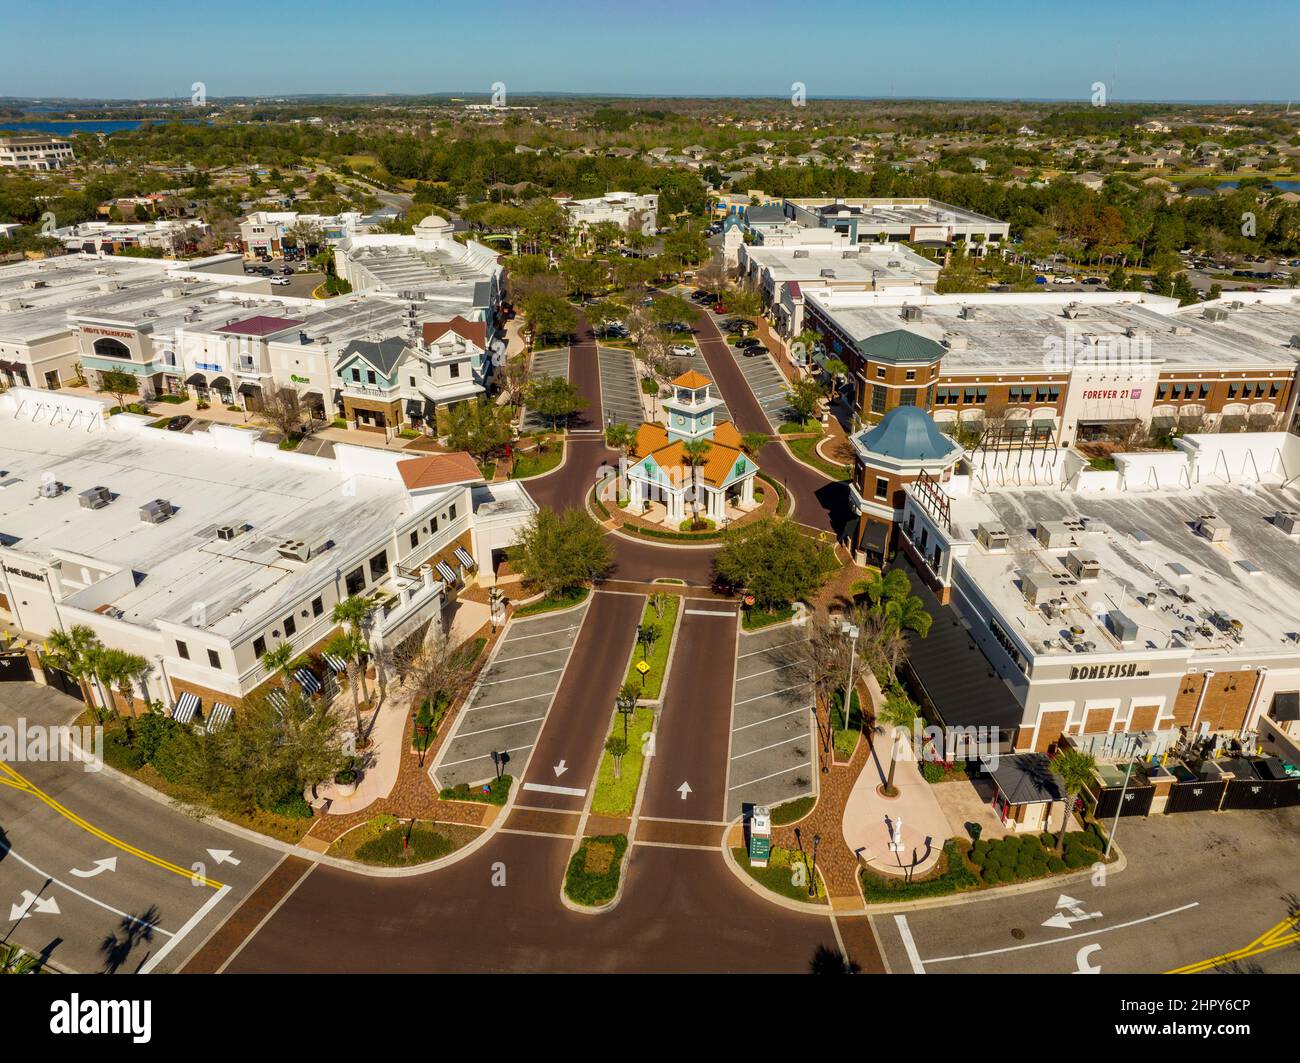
x: 497, y: 792
x: 585, y: 887
x: 956, y: 877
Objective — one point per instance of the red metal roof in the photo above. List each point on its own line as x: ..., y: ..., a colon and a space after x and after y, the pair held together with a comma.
x: 262, y: 325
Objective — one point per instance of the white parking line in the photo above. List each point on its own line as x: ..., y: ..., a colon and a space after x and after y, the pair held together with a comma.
x: 525, y: 656
x: 710, y: 612
x: 770, y: 693
x: 767, y: 649
x: 516, y: 679
x: 499, y: 727
x: 783, y: 742
x: 541, y: 634
x: 768, y: 671
x: 482, y: 756
x: 759, y: 723
x: 909, y: 945
x: 784, y: 771
x: 512, y: 701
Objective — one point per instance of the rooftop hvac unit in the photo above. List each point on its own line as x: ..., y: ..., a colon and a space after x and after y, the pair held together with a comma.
x: 954, y: 342
x: 1237, y: 304
x: 850, y: 254
x: 1121, y: 627
x: 1053, y: 535
x: 34, y: 283
x: 1215, y: 313
x: 801, y: 254
x: 51, y: 488
x: 1039, y: 587
x: 298, y: 550
x: 156, y: 512
x: 1132, y: 332
x: 1071, y: 311
x: 1295, y: 340
x: 894, y: 263
x: 912, y: 313
x: 1181, y: 330
x: 828, y: 273
x: 971, y: 313
x: 1214, y: 528
x: 1287, y: 521
x: 1093, y: 524
x: 227, y: 532
x: 95, y: 497
x: 1083, y: 564
x: 992, y: 536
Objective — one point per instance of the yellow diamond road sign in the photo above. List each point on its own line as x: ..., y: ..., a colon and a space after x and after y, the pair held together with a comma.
x: 642, y: 667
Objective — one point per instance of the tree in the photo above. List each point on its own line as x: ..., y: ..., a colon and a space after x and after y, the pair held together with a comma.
x: 625, y: 703
x: 616, y: 747
x: 583, y: 276
x: 560, y: 551
x: 743, y: 302
x: 119, y: 384
x: 899, y: 712
x: 803, y: 397
x: 752, y: 442
x: 283, y: 408
x: 547, y: 314
x: 119, y: 671
x: 1075, y: 769
x: 354, y: 614
x: 620, y: 437
x: 479, y: 428
x: 513, y: 380
x: 695, y: 452
x: 773, y: 561
x: 74, y: 651
x: 14, y: 960
x: 890, y: 599
x: 555, y: 398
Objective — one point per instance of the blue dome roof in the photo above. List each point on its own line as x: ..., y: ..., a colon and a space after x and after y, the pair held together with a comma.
x: 908, y: 434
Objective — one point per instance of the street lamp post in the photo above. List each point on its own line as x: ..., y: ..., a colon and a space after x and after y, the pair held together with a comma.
x: 850, y: 629
x: 812, y: 878
x: 1120, y: 809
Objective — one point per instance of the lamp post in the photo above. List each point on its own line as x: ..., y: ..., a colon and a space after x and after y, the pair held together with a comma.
x: 625, y: 703
x: 495, y: 602
x: 812, y: 878
x: 850, y: 629
x: 1120, y: 809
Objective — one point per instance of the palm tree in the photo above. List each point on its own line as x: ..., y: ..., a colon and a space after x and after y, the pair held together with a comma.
x: 897, y: 711
x: 620, y: 437
x: 1075, y: 769
x: 696, y: 453
x: 118, y: 671
x: 74, y: 651
x: 891, y: 599
x: 752, y: 442
x: 14, y: 960
x: 625, y: 703
x: 351, y: 646
x: 354, y: 613
x: 617, y: 748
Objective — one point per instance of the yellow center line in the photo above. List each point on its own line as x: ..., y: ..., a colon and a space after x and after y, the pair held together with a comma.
x: 117, y: 843
x: 1276, y: 937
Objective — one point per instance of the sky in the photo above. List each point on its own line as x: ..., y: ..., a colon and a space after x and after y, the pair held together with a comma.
x: 1139, y: 49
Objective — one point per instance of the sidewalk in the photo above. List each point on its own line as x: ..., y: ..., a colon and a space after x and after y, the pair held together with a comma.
x: 388, y: 734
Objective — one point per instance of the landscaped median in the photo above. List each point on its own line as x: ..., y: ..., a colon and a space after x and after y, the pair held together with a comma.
x: 662, y: 626
x: 490, y: 793
x: 787, y: 874
x: 559, y: 600
x: 802, y: 439
x: 386, y: 841
x: 593, y: 873
x: 618, y: 778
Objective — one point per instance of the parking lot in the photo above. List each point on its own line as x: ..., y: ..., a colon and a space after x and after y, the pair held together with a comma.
x: 765, y: 380
x: 545, y: 365
x: 508, y: 705
x: 620, y: 389
x: 771, y: 721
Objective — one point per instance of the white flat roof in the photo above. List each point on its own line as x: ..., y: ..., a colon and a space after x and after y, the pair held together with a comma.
x: 804, y: 263
x: 181, y: 562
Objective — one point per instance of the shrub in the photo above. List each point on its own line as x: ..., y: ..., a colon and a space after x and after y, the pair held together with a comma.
x: 932, y: 771
x: 595, y: 887
x: 422, y: 845
x: 292, y: 806
x: 120, y: 753
x: 1077, y: 858
x: 955, y: 878
x: 1055, y: 864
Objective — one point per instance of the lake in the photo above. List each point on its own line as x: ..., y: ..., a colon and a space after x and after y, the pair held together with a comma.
x: 64, y: 129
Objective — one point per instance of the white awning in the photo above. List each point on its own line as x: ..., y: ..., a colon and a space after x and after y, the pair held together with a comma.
x: 446, y: 571
x: 279, y: 699
x: 186, y: 706
x: 305, y: 679
x: 335, y: 662
x: 463, y: 557
x: 219, y: 716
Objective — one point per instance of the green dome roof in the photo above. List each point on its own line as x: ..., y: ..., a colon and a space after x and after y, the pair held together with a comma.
x: 900, y: 345
x: 908, y: 434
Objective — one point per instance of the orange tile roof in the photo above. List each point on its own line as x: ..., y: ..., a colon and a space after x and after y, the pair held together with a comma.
x: 649, y: 438
x: 438, y: 470
x: 727, y: 434
x: 692, y: 379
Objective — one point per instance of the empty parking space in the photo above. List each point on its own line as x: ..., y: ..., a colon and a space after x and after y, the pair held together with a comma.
x: 510, y: 701
x: 766, y: 382
x: 771, y: 741
x: 620, y: 389
x: 545, y: 365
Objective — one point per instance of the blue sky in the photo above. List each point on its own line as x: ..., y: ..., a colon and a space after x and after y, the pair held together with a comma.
x: 1141, y: 49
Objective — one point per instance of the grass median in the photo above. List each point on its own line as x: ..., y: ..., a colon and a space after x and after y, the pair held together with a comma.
x: 616, y: 796
x: 658, y: 659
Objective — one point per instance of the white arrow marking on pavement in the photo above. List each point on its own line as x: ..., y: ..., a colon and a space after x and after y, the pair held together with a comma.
x: 1081, y: 960
x: 223, y: 856
x: 684, y: 789
x: 560, y: 769
x: 32, y: 903
x: 100, y: 866
x: 1076, y: 914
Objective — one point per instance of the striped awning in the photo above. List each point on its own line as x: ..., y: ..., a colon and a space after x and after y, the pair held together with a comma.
x: 446, y: 571
x: 279, y: 699
x: 337, y: 663
x: 186, y: 706
x: 309, y: 683
x: 462, y: 555
x: 219, y: 716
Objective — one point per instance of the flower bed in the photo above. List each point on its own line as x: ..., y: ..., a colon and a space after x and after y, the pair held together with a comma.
x: 593, y: 872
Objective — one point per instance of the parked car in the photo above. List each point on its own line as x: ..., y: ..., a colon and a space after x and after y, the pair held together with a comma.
x: 288, y: 271
x: 280, y: 282
x: 682, y: 350
x: 178, y: 424
x: 1092, y: 280
x: 1040, y: 279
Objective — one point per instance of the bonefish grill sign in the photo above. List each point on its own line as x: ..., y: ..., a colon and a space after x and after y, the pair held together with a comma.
x: 1108, y: 671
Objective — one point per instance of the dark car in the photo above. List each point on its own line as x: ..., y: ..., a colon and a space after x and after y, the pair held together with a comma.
x: 179, y: 424
x: 287, y: 271
x: 265, y: 271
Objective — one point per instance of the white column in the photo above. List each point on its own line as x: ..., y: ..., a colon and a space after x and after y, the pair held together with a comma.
x: 675, y: 508
x: 747, y: 491
x: 636, y: 496
x: 717, y: 504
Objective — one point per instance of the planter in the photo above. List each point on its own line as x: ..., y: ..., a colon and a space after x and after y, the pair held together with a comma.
x: 345, y: 789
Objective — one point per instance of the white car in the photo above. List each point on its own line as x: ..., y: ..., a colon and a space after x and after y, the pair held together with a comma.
x: 682, y: 350
x: 280, y: 282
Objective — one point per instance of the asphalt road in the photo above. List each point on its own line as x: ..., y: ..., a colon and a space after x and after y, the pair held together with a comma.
x: 1198, y: 885
x: 568, y: 750
x: 692, y: 738
x: 819, y: 502
x: 99, y: 877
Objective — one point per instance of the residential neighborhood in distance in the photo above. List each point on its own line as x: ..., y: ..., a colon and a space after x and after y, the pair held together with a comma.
x: 610, y: 503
